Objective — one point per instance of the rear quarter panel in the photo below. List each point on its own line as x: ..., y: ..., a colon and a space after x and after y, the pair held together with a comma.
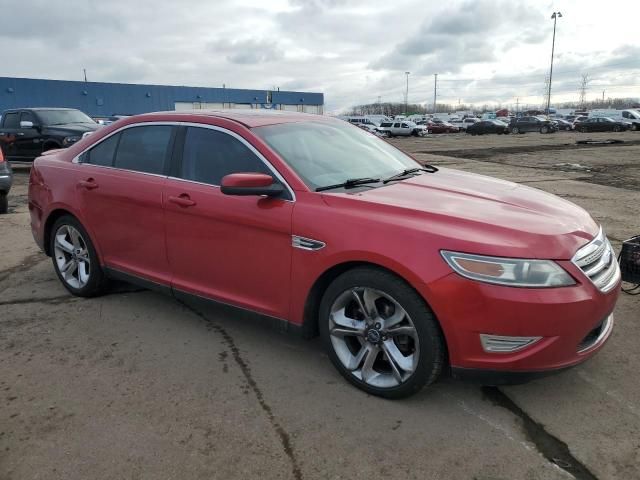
x: 52, y: 187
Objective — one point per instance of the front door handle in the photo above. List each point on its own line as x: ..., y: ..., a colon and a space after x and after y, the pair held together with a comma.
x: 183, y: 200
x: 89, y: 184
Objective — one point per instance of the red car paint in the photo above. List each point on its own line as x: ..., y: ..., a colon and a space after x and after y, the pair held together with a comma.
x: 238, y: 250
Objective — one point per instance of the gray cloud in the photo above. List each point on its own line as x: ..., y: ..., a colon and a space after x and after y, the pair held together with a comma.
x: 247, y: 52
x: 352, y: 50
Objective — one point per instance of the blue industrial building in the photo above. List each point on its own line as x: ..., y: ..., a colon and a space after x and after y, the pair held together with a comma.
x: 98, y: 99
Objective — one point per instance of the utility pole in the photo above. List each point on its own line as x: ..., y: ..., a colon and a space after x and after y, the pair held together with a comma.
x: 584, y: 83
x: 85, y: 74
x: 435, y: 91
x: 603, y: 98
x: 555, y: 17
x: 517, y: 104
x: 406, y: 96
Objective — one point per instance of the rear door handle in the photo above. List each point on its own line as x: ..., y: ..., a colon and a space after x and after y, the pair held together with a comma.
x: 183, y: 200
x: 89, y: 184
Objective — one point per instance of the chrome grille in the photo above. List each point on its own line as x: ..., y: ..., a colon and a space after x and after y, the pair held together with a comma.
x: 598, y: 262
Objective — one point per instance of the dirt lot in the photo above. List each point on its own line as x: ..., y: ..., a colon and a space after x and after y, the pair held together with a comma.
x: 136, y: 385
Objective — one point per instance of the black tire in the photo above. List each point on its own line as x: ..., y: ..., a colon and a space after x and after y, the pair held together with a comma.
x: 4, y: 203
x: 515, y: 130
x: 617, y: 128
x: 544, y: 129
x: 432, y: 345
x: 97, y: 283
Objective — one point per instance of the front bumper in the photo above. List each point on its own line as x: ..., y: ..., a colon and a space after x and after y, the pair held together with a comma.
x: 564, y: 317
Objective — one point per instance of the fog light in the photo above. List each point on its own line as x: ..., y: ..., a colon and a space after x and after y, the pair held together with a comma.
x: 502, y: 344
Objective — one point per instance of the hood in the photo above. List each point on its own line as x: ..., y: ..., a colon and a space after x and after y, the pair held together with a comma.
x: 478, y: 214
x: 72, y: 128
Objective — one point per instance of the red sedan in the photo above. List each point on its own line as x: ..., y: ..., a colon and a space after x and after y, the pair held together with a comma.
x: 442, y: 127
x: 400, y: 267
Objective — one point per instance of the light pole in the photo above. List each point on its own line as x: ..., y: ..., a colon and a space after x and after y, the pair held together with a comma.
x: 406, y: 96
x: 555, y: 17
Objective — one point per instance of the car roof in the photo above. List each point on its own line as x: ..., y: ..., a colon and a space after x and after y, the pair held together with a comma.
x: 249, y: 118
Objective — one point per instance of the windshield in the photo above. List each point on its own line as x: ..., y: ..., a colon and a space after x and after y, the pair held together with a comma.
x: 61, y: 117
x: 326, y: 153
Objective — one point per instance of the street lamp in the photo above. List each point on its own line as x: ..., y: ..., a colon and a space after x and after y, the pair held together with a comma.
x: 406, y: 96
x: 555, y: 17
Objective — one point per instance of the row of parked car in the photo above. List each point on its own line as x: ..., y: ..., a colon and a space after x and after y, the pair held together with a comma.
x: 596, y: 121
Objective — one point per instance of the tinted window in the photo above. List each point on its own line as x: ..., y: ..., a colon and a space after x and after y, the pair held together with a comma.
x: 404, y: 125
x: 396, y: 125
x: 27, y: 117
x: 11, y: 120
x: 210, y: 154
x: 144, y: 149
x: 103, y: 153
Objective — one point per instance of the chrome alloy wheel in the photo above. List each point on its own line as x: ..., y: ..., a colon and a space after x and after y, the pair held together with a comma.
x: 374, y: 337
x: 72, y: 256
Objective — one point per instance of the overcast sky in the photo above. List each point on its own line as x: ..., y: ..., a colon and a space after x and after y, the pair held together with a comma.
x: 353, y: 51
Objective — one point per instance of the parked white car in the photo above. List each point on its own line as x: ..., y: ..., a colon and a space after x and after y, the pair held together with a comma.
x: 403, y: 128
x: 464, y: 123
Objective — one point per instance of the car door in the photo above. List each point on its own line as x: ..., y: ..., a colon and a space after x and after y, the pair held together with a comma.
x: 8, y: 134
x: 28, y: 142
x: 234, y: 249
x: 120, y: 184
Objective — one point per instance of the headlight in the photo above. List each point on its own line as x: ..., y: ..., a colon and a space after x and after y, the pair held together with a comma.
x: 70, y: 140
x: 508, y: 271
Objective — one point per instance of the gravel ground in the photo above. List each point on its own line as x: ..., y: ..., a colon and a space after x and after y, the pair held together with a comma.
x: 134, y: 385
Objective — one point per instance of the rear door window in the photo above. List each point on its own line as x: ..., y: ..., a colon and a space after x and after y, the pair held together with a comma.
x: 144, y: 149
x: 103, y: 153
x: 11, y: 120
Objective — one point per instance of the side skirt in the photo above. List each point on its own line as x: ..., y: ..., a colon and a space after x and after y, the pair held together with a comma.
x: 196, y: 301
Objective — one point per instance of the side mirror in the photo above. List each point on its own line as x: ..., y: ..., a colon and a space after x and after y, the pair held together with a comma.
x: 250, y: 184
x: 26, y: 124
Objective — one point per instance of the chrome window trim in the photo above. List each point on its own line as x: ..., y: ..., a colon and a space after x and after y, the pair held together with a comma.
x: 273, y: 170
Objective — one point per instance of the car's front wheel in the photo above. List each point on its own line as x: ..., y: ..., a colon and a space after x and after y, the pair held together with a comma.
x: 380, y: 334
x: 75, y: 259
x: 515, y: 130
x: 617, y: 128
x: 544, y: 129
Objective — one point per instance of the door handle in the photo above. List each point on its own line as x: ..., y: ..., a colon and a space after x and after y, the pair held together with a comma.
x: 89, y: 184
x: 183, y: 200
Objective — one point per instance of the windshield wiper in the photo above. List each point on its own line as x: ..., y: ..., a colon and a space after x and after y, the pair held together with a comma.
x: 408, y: 171
x: 350, y: 183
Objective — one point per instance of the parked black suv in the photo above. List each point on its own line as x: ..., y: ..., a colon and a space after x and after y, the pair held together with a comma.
x: 27, y: 132
x: 532, y: 124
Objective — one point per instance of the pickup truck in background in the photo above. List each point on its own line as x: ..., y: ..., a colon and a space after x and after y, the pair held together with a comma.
x: 25, y: 133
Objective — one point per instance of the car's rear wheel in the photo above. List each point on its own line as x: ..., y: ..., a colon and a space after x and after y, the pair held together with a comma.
x: 4, y: 203
x: 380, y: 334
x: 617, y: 128
x: 75, y: 259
